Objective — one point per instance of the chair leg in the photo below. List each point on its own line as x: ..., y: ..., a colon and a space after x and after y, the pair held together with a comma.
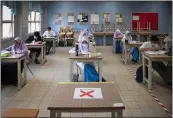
x: 30, y: 70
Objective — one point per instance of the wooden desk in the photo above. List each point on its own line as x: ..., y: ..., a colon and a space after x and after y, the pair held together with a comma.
x: 63, y: 100
x: 53, y: 39
x: 151, y: 58
x: 19, y: 113
x: 18, y: 58
x: 43, y: 50
x: 126, y: 46
x: 85, y: 58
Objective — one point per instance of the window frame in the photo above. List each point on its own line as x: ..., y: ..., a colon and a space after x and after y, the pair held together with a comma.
x: 35, y: 22
x: 7, y: 21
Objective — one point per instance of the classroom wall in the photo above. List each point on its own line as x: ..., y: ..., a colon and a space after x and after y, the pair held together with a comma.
x: 125, y: 7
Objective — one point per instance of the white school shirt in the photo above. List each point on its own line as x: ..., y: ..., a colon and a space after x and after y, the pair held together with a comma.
x: 149, y: 45
x: 49, y: 34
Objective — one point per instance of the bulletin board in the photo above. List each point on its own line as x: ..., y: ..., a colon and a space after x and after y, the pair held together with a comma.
x: 144, y: 19
x: 95, y: 18
x: 82, y: 18
x: 58, y: 18
x: 106, y: 18
x: 70, y: 18
x: 118, y: 18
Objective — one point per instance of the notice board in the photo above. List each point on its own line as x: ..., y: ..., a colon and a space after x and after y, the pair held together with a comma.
x: 144, y: 19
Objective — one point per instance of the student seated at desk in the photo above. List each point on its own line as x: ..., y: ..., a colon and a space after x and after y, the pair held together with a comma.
x: 90, y: 73
x: 163, y: 68
x: 133, y: 51
x: 118, y: 34
x: 8, y: 69
x: 49, y: 44
x: 35, y: 38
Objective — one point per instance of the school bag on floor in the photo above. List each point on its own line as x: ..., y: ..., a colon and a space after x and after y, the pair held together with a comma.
x: 139, y: 74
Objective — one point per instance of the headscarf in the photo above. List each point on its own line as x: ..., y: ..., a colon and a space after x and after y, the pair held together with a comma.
x: 84, y: 32
x: 117, y: 33
x: 128, y: 36
x: 22, y: 48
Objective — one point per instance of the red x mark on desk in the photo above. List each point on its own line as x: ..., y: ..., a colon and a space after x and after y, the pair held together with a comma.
x: 87, y: 93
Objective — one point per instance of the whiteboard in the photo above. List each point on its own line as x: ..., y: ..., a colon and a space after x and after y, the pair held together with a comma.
x: 70, y: 19
x: 94, y: 18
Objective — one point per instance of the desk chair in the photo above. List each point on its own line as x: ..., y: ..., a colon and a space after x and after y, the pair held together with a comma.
x: 62, y: 36
x: 28, y: 60
x: 70, y: 36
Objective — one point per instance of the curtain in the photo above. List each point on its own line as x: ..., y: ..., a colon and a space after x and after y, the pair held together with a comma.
x: 11, y: 5
x: 34, y: 6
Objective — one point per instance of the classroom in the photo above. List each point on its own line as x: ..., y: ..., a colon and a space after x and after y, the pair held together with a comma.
x: 80, y: 59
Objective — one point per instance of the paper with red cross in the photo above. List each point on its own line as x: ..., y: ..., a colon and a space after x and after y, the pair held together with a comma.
x: 88, y: 93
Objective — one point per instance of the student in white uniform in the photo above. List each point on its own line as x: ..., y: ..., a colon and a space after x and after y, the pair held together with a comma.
x: 133, y: 51
x: 163, y: 69
x: 90, y: 74
x: 49, y: 44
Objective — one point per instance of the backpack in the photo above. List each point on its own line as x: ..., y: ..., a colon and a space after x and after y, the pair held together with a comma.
x: 139, y: 74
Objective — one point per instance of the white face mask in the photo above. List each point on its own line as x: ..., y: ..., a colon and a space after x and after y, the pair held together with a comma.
x: 35, y: 37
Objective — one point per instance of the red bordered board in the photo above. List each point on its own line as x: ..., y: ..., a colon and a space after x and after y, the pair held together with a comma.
x: 143, y: 18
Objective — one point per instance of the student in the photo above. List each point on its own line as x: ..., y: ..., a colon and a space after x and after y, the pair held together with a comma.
x: 35, y: 38
x: 164, y: 69
x: 8, y: 69
x: 49, y: 44
x: 90, y: 73
x: 117, y: 42
x: 134, y: 51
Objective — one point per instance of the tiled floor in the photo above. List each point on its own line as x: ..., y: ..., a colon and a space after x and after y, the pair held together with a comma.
x: 41, y: 87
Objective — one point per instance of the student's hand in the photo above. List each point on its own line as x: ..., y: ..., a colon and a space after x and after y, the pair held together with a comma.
x: 156, y: 49
x: 39, y: 42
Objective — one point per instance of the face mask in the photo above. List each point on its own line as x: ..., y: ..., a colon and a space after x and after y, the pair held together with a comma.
x: 35, y: 37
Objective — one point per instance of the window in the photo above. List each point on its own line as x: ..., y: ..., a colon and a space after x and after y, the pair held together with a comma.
x: 34, y: 22
x: 7, y: 23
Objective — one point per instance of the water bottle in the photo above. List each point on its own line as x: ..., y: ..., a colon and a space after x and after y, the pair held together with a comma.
x: 13, y: 52
x: 77, y: 50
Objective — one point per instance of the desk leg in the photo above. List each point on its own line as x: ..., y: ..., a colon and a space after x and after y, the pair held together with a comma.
x: 54, y: 46
x: 120, y: 114
x: 71, y: 70
x: 52, y: 114
x: 100, y: 71
x: 150, y: 74
x: 112, y: 114
x: 42, y: 56
x: 144, y: 69
x: 104, y: 39
x: 125, y: 56
x: 19, y: 74
x: 25, y: 74
x: 58, y: 114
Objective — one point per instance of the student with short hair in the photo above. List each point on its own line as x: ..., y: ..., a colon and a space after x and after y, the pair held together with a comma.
x: 163, y: 68
x: 49, y: 33
x: 35, y: 38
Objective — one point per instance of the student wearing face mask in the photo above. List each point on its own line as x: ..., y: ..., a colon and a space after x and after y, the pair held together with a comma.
x: 164, y: 69
x: 49, y: 33
x: 8, y: 69
x: 133, y: 51
x: 35, y: 38
x: 89, y: 71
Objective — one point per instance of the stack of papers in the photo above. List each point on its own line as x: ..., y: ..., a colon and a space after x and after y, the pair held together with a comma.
x: 155, y: 52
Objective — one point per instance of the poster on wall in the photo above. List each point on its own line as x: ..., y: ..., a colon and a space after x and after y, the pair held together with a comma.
x: 82, y: 18
x: 58, y: 18
x: 106, y: 18
x: 118, y: 18
x: 70, y: 18
x: 94, y: 18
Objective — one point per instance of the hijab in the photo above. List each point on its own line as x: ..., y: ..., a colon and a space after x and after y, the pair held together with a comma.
x: 117, y: 33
